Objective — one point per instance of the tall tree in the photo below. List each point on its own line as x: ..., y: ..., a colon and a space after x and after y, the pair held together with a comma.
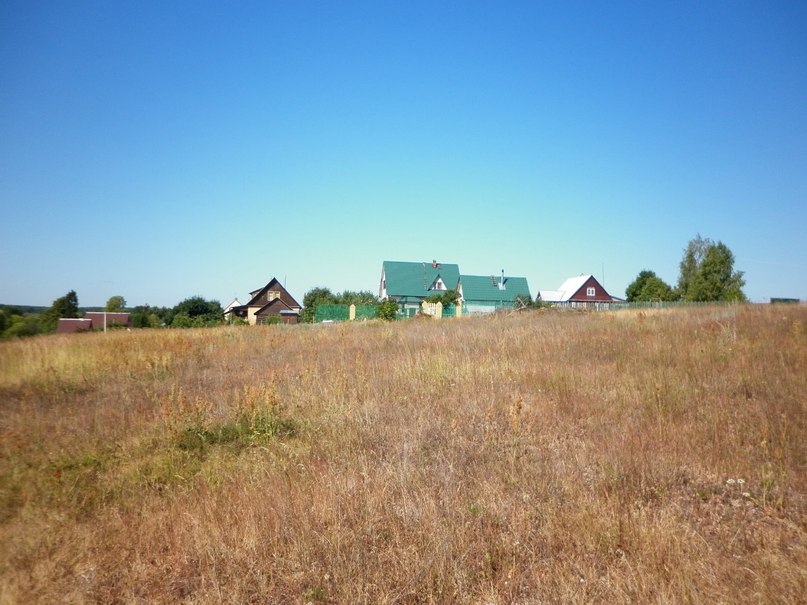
x: 314, y: 297
x: 64, y: 306
x: 694, y: 254
x: 707, y: 273
x: 115, y: 304
x: 635, y: 287
x: 67, y: 305
x: 716, y: 279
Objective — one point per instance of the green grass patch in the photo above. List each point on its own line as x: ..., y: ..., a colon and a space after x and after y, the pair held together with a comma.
x: 246, y: 431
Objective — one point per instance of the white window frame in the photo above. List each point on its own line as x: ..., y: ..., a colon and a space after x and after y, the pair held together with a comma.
x: 591, y: 291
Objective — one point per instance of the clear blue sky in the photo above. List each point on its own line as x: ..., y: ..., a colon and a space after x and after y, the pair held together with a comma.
x: 160, y: 150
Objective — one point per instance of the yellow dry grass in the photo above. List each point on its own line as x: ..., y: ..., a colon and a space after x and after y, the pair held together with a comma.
x: 627, y: 457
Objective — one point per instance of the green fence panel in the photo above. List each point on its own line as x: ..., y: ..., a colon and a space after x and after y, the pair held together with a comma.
x: 342, y: 312
x: 365, y: 311
x: 331, y: 313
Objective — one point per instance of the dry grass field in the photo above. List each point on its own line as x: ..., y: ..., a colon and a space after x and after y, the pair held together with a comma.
x: 541, y: 457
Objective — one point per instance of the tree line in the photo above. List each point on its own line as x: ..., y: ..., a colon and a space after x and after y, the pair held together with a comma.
x: 706, y: 274
x: 193, y: 312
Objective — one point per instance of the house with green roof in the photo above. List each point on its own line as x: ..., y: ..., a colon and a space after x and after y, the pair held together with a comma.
x: 410, y: 282
x: 487, y: 293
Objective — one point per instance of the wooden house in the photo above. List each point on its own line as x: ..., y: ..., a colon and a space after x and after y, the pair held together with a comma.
x: 582, y: 290
x: 273, y: 300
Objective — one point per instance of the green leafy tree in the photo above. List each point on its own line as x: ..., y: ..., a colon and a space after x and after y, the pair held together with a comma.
x: 140, y: 317
x: 314, y: 297
x: 707, y: 273
x: 694, y: 254
x: 648, y: 287
x: 115, y: 304
x: 716, y: 279
x: 635, y: 287
x: 198, y: 311
x: 145, y: 316
x: 65, y: 306
x: 387, y: 310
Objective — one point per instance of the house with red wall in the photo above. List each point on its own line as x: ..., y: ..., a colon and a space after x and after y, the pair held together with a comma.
x: 582, y: 290
x: 94, y: 320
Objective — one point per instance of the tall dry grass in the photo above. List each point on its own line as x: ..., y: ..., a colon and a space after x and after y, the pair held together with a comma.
x: 654, y: 457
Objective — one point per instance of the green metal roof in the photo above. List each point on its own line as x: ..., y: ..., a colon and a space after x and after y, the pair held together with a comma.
x: 485, y: 288
x: 406, y: 279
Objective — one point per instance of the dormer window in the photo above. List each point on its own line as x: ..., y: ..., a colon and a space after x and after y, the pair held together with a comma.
x: 438, y: 284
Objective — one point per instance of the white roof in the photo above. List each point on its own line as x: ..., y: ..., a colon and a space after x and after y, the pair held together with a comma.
x: 235, y: 303
x: 566, y: 291
x: 550, y: 295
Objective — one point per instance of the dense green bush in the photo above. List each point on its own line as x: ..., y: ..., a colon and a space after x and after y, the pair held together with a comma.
x: 387, y: 310
x: 23, y: 325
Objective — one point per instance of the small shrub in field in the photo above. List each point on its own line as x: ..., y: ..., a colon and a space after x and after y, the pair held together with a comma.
x: 387, y: 310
